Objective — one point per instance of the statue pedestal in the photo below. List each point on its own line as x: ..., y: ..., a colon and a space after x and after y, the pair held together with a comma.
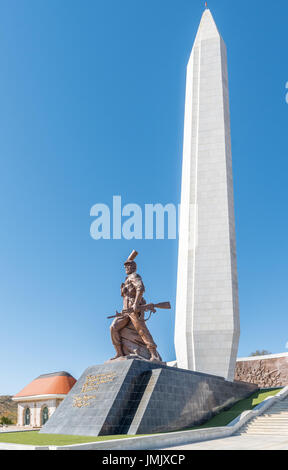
x: 141, y: 397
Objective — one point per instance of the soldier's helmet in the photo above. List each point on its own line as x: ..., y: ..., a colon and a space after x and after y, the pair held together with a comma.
x: 130, y: 260
x: 132, y: 264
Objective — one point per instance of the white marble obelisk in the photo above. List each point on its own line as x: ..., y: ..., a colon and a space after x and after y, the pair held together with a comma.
x: 207, y: 313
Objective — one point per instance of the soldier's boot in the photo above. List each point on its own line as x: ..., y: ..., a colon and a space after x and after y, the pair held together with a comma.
x: 119, y: 352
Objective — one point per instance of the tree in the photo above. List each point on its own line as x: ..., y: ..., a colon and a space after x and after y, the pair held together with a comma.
x: 5, y: 420
x: 263, y: 352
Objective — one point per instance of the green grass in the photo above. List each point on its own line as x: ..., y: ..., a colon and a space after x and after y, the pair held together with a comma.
x: 35, y: 439
x: 225, y: 417
x: 222, y: 419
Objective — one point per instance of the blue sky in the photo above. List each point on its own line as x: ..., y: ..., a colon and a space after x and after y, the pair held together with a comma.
x: 92, y: 105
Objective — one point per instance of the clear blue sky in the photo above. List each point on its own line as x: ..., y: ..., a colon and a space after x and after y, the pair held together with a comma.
x: 92, y: 105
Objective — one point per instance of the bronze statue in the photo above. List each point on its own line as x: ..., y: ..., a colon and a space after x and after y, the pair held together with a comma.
x: 129, y: 333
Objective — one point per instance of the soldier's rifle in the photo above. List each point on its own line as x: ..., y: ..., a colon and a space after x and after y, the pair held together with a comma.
x: 143, y: 308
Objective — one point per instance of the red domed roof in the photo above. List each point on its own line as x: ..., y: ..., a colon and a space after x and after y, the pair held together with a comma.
x: 57, y: 383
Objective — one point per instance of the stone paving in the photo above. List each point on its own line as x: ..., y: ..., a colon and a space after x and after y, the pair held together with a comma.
x: 243, y: 442
x: 17, y: 428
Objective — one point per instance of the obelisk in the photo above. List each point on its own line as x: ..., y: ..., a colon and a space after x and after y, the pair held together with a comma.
x: 207, y: 313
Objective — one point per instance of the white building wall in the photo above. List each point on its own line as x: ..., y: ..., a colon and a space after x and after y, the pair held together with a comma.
x: 36, y: 407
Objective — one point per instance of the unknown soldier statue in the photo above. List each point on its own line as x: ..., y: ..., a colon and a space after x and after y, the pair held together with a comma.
x: 134, y: 306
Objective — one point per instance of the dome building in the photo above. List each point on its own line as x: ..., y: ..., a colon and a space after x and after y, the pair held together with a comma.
x: 40, y: 398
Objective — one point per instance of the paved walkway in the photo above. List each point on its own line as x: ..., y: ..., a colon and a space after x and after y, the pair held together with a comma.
x: 243, y: 442
x: 12, y: 428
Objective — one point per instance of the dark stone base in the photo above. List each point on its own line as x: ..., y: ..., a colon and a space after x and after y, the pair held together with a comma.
x: 141, y: 397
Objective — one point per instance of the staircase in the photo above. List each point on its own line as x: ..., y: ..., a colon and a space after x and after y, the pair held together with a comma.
x: 274, y: 421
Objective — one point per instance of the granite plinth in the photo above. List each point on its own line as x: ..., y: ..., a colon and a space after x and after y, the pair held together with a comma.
x: 136, y: 397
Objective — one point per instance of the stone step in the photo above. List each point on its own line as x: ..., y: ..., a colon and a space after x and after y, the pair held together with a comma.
x: 271, y: 415
x: 273, y: 418
x: 274, y: 422
x: 278, y: 431
x: 272, y: 411
x: 278, y: 413
x: 269, y: 420
x: 283, y: 428
x: 264, y: 432
x: 259, y: 433
x: 277, y: 428
x: 265, y: 423
x: 265, y: 426
x: 279, y: 407
x: 278, y: 410
x: 280, y: 403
